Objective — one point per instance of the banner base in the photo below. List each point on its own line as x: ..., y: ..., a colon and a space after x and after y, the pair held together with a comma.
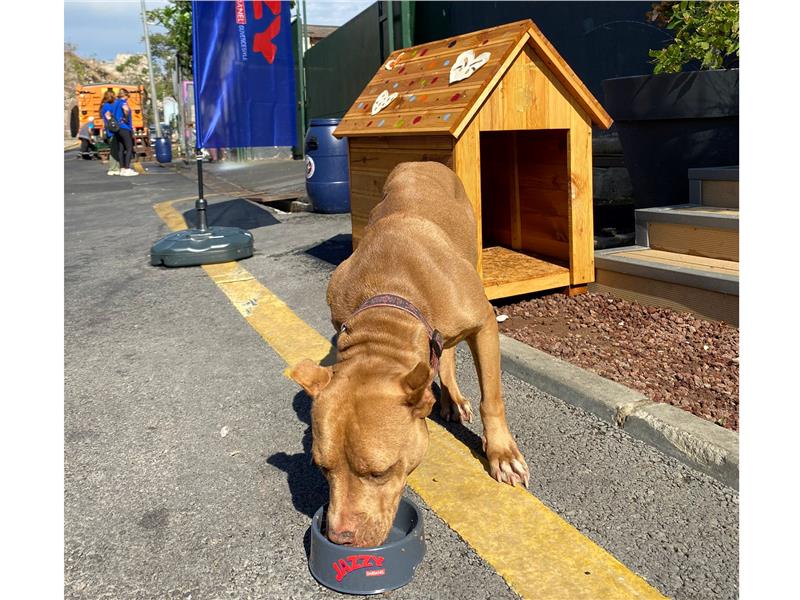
x: 202, y: 247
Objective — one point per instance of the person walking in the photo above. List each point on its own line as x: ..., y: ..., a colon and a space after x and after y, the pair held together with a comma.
x: 86, y: 136
x: 106, y: 112
x: 122, y: 113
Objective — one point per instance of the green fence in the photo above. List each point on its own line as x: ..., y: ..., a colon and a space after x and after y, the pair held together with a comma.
x: 338, y: 67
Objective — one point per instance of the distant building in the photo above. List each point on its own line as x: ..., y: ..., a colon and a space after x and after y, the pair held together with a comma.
x: 319, y: 32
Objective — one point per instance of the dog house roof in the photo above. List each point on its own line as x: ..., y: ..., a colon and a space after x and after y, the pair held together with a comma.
x: 427, y: 102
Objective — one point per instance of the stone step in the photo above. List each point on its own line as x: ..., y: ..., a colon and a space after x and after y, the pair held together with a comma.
x: 705, y: 286
x: 717, y: 186
x: 707, y: 231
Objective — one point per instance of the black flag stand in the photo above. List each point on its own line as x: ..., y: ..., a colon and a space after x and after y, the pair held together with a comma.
x: 203, y: 245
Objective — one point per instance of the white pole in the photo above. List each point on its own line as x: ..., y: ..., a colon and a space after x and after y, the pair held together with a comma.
x: 153, y: 97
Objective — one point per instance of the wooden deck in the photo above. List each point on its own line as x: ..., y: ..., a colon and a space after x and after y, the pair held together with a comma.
x: 509, y: 273
x: 700, y: 263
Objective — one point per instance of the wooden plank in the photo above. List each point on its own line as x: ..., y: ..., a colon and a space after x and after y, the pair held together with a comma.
x: 409, y: 75
x: 418, y: 142
x: 416, y: 59
x: 712, y: 210
x: 424, y: 121
x: 508, y: 58
x: 424, y: 70
x: 701, y: 263
x: 467, y: 165
x: 650, y: 292
x: 508, y: 273
x: 516, y: 217
x: 567, y: 76
x: 550, y: 203
x: 517, y: 288
x: 528, y: 97
x: 581, y: 239
x: 720, y: 193
x: 575, y: 290
x: 697, y: 241
x: 544, y: 191
x: 428, y: 65
x: 503, y: 265
x: 373, y: 161
x: 543, y: 150
x: 495, y: 35
x: 497, y: 189
x: 545, y: 245
x: 366, y: 182
x: 430, y: 99
x: 548, y: 227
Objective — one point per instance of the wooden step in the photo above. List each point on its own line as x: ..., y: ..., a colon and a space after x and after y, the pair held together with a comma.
x: 717, y: 186
x: 705, y: 286
x: 707, y: 231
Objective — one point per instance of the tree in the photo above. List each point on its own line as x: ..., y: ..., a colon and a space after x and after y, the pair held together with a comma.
x: 706, y: 33
x: 176, y: 19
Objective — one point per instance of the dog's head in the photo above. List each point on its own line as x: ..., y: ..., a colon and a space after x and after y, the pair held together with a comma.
x: 369, y: 434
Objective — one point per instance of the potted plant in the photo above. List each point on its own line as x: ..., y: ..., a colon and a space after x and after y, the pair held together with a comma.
x: 685, y: 114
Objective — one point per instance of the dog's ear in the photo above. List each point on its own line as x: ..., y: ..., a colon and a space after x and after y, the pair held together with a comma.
x: 420, y: 398
x: 311, y: 376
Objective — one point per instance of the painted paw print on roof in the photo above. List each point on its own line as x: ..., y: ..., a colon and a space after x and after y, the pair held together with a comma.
x: 466, y: 64
x: 383, y: 100
x: 392, y: 62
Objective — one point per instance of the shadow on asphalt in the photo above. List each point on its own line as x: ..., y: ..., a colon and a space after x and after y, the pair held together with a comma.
x: 470, y: 439
x: 306, y: 483
x: 233, y: 213
x: 334, y: 250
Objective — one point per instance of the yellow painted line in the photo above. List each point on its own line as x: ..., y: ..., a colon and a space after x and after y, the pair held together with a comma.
x: 540, y: 555
x: 288, y: 335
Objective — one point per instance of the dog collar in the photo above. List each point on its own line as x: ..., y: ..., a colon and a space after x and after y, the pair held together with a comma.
x: 436, y: 341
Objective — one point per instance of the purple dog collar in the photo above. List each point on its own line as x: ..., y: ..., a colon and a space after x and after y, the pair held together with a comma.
x: 436, y: 341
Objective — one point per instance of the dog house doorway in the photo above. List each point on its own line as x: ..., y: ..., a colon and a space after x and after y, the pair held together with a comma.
x: 524, y: 210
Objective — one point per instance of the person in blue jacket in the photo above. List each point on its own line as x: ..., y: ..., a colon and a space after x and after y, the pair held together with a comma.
x: 122, y: 113
x: 106, y: 111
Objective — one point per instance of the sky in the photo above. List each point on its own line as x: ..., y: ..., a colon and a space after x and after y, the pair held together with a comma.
x: 103, y: 29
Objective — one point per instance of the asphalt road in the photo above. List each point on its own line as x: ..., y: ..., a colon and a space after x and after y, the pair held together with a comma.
x: 159, y: 505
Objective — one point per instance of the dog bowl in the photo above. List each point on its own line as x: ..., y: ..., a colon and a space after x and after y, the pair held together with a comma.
x: 374, y: 570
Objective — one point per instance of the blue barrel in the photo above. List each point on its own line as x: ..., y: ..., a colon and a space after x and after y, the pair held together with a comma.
x: 327, y: 178
x: 163, y: 150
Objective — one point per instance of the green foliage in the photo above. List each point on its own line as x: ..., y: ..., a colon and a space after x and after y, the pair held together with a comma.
x: 132, y: 62
x: 707, y: 32
x: 176, y: 18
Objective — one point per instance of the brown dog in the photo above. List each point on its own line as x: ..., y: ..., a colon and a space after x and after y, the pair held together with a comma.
x: 368, y: 412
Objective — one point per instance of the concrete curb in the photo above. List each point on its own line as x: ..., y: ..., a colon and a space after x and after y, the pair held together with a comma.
x: 694, y: 441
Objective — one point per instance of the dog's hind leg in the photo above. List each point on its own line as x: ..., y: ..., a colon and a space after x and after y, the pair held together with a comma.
x: 453, y: 406
x: 506, y: 463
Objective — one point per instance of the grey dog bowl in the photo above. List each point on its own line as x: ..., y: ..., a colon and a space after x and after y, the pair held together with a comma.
x: 374, y: 570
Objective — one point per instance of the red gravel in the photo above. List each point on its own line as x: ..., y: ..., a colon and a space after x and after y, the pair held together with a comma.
x: 672, y: 357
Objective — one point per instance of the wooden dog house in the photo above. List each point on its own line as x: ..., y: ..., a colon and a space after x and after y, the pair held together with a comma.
x: 515, y: 124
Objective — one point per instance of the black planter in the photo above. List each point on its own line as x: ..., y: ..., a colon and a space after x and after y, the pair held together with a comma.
x: 670, y: 123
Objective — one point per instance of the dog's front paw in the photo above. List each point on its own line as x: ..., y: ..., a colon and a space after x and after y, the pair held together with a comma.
x: 506, y: 463
x: 458, y: 410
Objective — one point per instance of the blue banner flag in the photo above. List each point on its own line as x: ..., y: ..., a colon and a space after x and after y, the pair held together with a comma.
x: 243, y: 74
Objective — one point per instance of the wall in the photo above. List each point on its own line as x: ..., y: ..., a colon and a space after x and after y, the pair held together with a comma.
x: 338, y: 67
